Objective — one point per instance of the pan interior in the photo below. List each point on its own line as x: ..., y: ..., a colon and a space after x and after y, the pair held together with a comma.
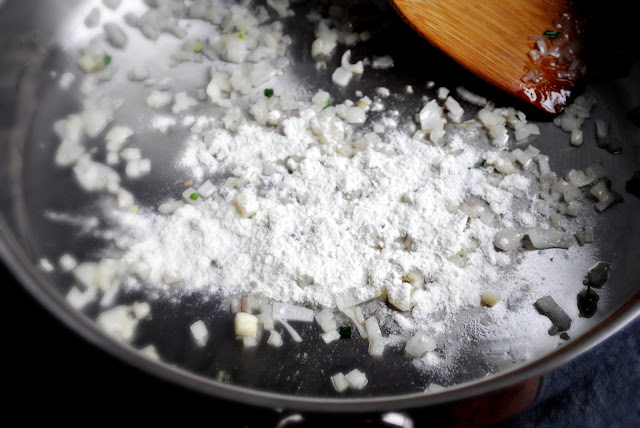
x: 44, y: 211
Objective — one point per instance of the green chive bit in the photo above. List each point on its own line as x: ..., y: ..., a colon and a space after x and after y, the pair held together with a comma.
x: 194, y: 196
x: 345, y: 331
x: 197, y: 46
x: 241, y: 36
x: 268, y: 92
x: 551, y: 34
x: 328, y: 103
x: 107, y: 59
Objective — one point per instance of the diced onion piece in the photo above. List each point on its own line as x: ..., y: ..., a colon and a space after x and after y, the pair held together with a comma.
x: 118, y: 322
x: 321, y: 99
x: 373, y: 327
x: 577, y: 136
x: 453, y: 109
x: 79, y: 299
x: 600, y: 190
x: 109, y: 296
x: 489, y: 298
x: 94, y: 176
x: 341, y: 76
x: 191, y: 196
x: 137, y: 168
x: 507, y: 240
x: 183, y: 102
x: 67, y: 262
x: 549, y: 238
x: 524, y: 130
x: 141, y: 310
x: 245, y: 325
x: 206, y: 189
x: 356, y: 379
x: 602, y: 129
x: 322, y: 46
x: 150, y: 352
x: 326, y: 320
x: 578, y: 178
x: 522, y: 157
x: 435, y: 387
x: 292, y: 331
x: 419, y: 344
x: 199, y: 333
x: 117, y: 137
x: 345, y: 62
x: 543, y: 164
x: 339, y: 382
x: 124, y: 199
x: 470, y: 97
x: 159, y: 99
x: 330, y: 336
x: 249, y: 342
x: 287, y: 312
x: 131, y: 153
x: 399, y: 295
x: 574, y: 208
x: 235, y: 49
x: 431, y: 121
x: 71, y: 133
x: 382, y: 62
x: 504, y: 163
x: 443, y: 93
x: 275, y: 339
x: 169, y: 206
x: 414, y: 277
x: 247, y: 204
x: 495, y: 126
x: 356, y: 115
x: 376, y: 346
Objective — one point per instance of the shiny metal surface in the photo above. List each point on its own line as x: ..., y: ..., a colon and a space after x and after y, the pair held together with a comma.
x: 39, y: 41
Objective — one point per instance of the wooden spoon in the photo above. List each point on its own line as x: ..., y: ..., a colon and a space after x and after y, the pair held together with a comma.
x: 494, y: 38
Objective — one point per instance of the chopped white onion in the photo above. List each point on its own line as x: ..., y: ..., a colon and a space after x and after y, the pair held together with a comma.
x: 118, y: 322
x: 377, y: 346
x: 356, y: 379
x: 275, y: 339
x: 245, y: 325
x: 141, y: 310
x: 288, y: 312
x: 550, y: 238
x: 326, y: 320
x: 79, y: 299
x: 247, y: 204
x: 294, y: 334
x: 419, y: 344
x: 373, y: 327
x: 199, y: 333
x: 339, y: 382
x: 330, y: 336
x: 507, y: 240
x: 470, y: 97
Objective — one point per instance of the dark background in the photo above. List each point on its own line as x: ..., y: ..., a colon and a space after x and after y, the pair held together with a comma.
x: 53, y: 375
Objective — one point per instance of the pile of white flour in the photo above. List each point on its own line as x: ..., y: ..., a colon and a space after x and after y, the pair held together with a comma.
x: 330, y: 224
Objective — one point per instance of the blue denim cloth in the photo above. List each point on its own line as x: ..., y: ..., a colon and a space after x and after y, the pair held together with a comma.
x: 598, y: 389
